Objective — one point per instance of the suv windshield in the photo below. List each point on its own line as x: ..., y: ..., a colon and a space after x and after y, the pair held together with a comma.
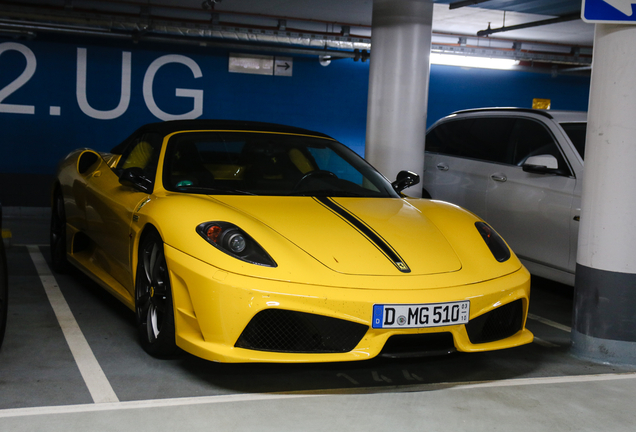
x: 576, y: 133
x: 261, y: 163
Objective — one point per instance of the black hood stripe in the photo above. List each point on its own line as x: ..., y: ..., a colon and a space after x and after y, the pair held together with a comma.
x: 368, y: 232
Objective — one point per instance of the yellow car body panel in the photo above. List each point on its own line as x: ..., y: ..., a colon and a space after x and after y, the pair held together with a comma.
x: 367, y: 268
x: 327, y: 261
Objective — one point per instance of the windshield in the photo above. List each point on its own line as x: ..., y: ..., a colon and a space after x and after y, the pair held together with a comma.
x: 576, y: 133
x: 260, y: 163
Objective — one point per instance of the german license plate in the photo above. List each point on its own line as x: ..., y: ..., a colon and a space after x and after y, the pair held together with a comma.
x: 420, y: 315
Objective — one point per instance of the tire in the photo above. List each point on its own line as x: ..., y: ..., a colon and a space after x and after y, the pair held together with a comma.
x: 153, y: 299
x: 59, y: 261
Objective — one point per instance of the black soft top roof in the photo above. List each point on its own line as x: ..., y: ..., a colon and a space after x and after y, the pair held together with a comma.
x: 168, y: 127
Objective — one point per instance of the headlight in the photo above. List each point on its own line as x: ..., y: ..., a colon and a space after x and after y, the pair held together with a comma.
x: 497, y: 246
x: 235, y: 242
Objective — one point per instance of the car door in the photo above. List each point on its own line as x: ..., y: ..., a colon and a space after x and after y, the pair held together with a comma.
x: 461, y: 154
x: 532, y: 210
x: 110, y: 206
x: 571, y: 134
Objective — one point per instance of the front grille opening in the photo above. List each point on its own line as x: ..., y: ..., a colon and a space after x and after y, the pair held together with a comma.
x: 497, y: 324
x: 298, y: 332
x: 418, y: 345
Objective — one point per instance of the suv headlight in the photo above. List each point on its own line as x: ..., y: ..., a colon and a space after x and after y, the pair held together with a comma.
x: 235, y: 242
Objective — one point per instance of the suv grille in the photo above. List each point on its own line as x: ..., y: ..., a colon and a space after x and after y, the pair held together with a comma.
x: 298, y: 332
x: 497, y: 324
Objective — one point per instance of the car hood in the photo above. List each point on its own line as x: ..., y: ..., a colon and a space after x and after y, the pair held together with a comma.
x: 357, y: 236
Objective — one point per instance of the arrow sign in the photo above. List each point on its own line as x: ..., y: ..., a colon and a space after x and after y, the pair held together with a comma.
x: 608, y: 11
x: 284, y: 66
x: 625, y: 6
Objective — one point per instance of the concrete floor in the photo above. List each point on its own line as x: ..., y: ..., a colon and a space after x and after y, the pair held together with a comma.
x: 51, y: 383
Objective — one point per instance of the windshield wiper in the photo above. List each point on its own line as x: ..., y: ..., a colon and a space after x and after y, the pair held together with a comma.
x: 211, y: 191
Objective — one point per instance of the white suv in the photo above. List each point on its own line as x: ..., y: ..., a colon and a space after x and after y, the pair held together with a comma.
x: 520, y: 170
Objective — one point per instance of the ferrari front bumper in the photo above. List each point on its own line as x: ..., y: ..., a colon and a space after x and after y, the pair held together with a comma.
x: 219, y: 315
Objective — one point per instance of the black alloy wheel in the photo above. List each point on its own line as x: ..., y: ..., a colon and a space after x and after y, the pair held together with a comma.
x: 58, y: 234
x: 153, y: 299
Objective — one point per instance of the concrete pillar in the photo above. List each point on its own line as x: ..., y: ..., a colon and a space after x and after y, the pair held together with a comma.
x: 398, y: 86
x: 604, y: 327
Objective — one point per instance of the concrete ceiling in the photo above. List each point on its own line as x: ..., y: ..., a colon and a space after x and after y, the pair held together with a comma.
x: 460, y: 21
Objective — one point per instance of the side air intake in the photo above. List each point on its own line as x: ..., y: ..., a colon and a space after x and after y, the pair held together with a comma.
x: 497, y: 324
x: 297, y: 332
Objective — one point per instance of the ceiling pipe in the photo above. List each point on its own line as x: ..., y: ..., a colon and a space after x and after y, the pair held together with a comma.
x: 332, y: 54
x: 32, y: 29
x: 565, y: 18
x: 463, y: 3
x: 201, y: 42
x: 136, y: 34
x: 233, y: 36
x: 576, y: 69
x: 180, y: 8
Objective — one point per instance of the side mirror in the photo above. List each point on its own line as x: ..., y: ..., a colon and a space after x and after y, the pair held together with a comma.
x: 134, y: 177
x: 542, y: 164
x: 404, y: 180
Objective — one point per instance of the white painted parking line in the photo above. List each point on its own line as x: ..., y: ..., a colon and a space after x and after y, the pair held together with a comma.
x: 550, y: 323
x: 94, y: 377
x: 545, y: 343
x: 248, y: 397
x: 153, y: 403
x: 548, y: 380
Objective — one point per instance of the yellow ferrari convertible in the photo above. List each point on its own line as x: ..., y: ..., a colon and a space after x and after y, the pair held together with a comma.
x: 253, y: 242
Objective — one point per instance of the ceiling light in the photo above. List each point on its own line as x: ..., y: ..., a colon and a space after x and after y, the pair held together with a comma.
x: 324, y: 60
x: 476, y: 62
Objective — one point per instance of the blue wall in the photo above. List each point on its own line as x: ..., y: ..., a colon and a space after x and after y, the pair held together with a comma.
x: 42, y: 119
x: 331, y: 99
x: 453, y: 88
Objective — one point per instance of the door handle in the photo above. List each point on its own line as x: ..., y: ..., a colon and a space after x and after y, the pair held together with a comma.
x: 442, y: 167
x: 499, y: 177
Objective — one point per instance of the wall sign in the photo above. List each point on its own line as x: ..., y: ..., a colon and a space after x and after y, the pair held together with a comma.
x: 608, y: 11
x: 25, y: 75
x: 260, y: 64
x: 251, y: 64
x: 283, y: 66
x: 31, y: 64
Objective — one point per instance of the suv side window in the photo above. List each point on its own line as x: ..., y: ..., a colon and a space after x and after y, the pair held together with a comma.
x: 531, y: 138
x: 476, y: 138
x: 576, y: 132
x: 504, y: 140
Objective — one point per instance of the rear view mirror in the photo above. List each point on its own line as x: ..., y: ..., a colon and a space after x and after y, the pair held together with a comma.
x: 541, y: 164
x: 404, y: 180
x: 135, y: 178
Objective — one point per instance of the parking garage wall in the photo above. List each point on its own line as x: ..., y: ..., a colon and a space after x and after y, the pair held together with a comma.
x: 455, y: 88
x: 58, y: 94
